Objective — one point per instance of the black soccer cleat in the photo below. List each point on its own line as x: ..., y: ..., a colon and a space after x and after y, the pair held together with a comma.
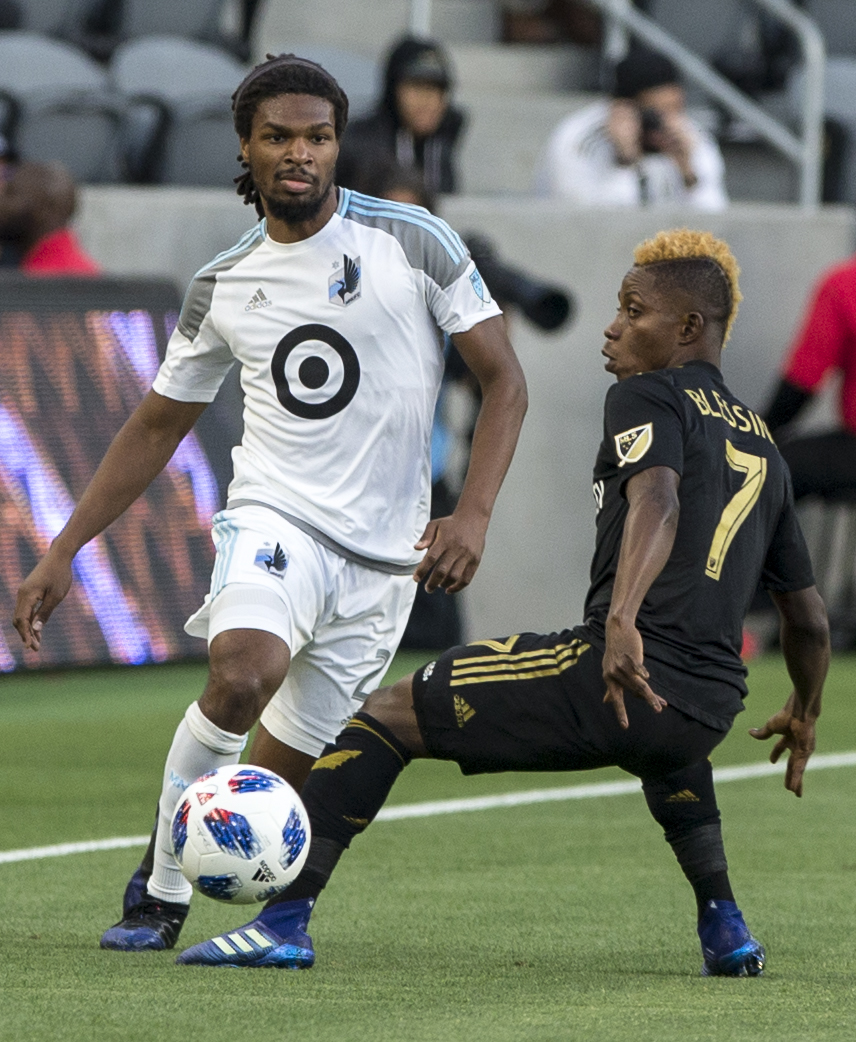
x: 150, y: 926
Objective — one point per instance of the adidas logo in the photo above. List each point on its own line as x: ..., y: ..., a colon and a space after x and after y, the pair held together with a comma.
x: 263, y: 874
x: 463, y: 712
x: 258, y: 300
x: 684, y: 796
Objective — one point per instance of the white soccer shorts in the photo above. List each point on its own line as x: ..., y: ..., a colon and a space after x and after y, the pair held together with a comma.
x: 341, y: 620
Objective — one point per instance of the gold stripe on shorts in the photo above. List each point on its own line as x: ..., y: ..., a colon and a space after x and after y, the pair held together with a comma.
x: 526, y: 665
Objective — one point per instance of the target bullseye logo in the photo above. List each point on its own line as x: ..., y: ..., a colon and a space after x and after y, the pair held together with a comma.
x: 316, y: 372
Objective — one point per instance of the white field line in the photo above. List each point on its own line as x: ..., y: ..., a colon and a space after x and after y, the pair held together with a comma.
x: 433, y: 807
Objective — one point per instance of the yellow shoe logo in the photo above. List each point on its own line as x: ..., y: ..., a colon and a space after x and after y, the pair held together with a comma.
x: 334, y: 760
x: 463, y: 712
x: 684, y: 796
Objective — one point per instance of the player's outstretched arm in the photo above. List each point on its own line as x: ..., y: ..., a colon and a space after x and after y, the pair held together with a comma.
x: 646, y: 542
x: 137, y: 454
x: 805, y: 645
x: 454, y: 545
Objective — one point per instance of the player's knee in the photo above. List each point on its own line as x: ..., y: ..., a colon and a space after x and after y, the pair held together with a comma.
x: 237, y: 692
x: 390, y: 700
x: 393, y: 707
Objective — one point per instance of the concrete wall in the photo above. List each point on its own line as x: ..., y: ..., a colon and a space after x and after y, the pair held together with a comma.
x: 535, y: 570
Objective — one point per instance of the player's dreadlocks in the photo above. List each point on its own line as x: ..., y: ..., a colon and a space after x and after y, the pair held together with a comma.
x: 281, y: 74
x: 699, y: 264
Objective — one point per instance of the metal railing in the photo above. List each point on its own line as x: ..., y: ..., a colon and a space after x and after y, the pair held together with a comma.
x: 420, y: 17
x: 805, y: 149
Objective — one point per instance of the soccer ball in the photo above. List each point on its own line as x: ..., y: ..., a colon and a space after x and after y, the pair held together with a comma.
x: 240, y: 834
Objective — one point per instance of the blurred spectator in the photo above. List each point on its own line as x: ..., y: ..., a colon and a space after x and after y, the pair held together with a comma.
x: 638, y: 148
x: 398, y: 183
x: 37, y: 202
x: 8, y: 255
x: 8, y: 157
x: 551, y: 21
x: 413, y: 125
x: 821, y: 464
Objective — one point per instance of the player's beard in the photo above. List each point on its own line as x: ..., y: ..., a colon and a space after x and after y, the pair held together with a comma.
x: 296, y: 211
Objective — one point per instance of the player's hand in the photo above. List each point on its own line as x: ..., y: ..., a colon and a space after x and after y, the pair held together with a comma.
x: 797, y: 736
x: 675, y: 140
x: 454, y: 546
x: 624, y: 671
x: 42, y: 590
x: 624, y: 127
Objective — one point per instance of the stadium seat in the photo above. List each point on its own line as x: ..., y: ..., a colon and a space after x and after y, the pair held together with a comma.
x: 58, y: 106
x: 179, y: 129
x: 837, y: 22
x: 690, y: 22
x: 50, y: 16
x: 840, y: 106
x: 198, y: 19
x: 360, y: 77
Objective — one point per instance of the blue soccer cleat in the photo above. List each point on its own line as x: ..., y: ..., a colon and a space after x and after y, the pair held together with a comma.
x: 729, y: 949
x: 276, y: 938
x: 149, y: 926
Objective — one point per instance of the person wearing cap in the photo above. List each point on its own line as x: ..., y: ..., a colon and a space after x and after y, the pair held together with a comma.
x: 637, y: 148
x: 413, y: 125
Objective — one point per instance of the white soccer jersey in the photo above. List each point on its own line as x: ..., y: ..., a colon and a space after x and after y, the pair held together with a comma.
x: 340, y: 364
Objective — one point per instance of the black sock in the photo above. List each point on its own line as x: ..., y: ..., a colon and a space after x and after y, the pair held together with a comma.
x: 148, y: 862
x: 346, y: 787
x: 715, y: 887
x: 684, y: 804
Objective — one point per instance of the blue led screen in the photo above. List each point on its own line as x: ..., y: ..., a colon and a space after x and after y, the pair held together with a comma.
x: 76, y: 357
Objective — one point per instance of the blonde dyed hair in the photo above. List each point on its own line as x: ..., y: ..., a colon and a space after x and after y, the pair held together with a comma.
x: 684, y: 244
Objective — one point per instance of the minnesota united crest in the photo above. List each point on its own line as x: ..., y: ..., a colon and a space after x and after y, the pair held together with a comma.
x: 345, y: 285
x: 273, y: 561
x: 478, y: 285
x: 631, y: 446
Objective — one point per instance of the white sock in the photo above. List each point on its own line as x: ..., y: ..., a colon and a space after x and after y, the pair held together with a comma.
x: 198, y: 746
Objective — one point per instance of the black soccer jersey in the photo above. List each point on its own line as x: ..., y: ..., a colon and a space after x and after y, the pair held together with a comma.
x: 737, y: 526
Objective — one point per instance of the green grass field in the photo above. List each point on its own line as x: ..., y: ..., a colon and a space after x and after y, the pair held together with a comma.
x: 555, y: 921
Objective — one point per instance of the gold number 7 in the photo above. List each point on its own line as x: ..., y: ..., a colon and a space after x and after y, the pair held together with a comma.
x: 738, y: 507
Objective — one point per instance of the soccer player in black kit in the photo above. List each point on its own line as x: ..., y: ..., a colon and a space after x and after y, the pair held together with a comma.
x: 694, y: 508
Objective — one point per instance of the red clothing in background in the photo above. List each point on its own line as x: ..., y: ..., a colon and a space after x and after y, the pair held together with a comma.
x: 59, y: 254
x: 827, y: 340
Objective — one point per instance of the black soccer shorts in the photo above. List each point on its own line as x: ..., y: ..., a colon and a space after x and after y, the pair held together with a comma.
x: 534, y: 702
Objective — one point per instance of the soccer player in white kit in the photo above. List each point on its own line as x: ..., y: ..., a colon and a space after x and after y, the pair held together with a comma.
x: 331, y: 306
